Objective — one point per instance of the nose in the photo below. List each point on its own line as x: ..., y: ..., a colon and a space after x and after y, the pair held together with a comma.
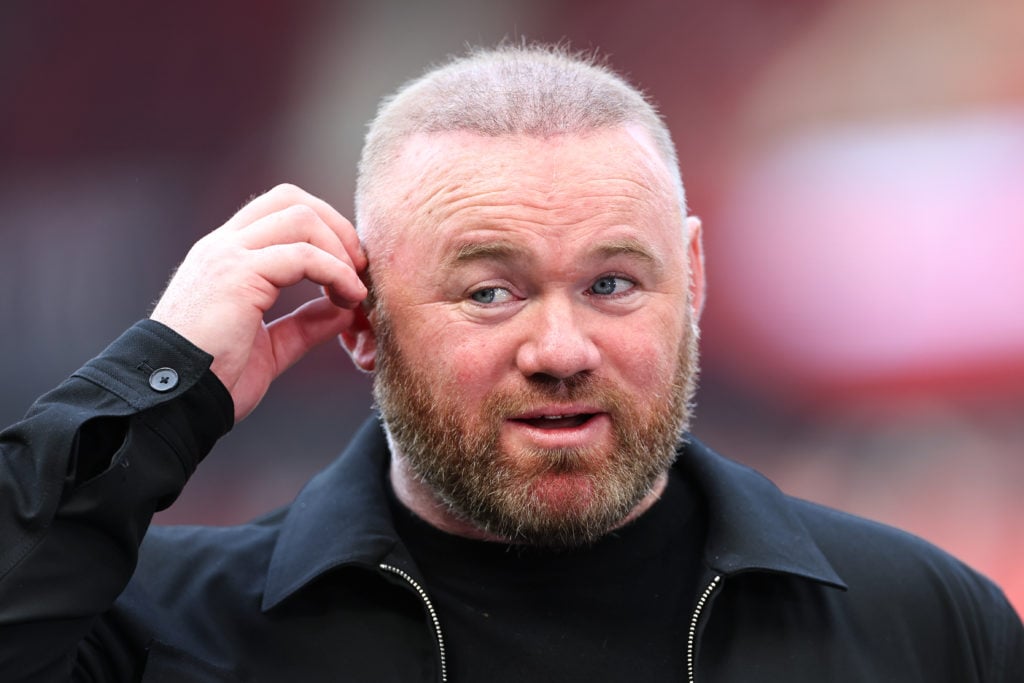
x: 556, y: 343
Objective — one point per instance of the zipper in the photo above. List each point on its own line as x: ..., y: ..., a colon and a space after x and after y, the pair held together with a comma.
x: 430, y: 610
x: 691, y: 640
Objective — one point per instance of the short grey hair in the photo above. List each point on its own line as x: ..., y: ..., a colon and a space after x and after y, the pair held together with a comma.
x: 513, y: 89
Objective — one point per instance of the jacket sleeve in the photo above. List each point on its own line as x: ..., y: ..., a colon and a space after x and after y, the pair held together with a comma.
x: 80, y: 478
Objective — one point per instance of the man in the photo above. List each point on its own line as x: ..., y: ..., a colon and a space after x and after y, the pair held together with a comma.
x: 528, y: 507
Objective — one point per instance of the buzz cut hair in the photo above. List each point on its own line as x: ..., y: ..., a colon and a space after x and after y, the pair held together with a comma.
x: 537, y: 90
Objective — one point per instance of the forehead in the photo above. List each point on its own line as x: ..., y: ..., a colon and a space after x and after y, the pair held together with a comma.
x: 559, y: 165
x: 446, y: 187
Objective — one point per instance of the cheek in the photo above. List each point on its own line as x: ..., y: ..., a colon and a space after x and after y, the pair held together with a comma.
x: 647, y: 359
x: 464, y: 366
x: 477, y: 365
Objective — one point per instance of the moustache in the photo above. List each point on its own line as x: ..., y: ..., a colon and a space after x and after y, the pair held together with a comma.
x: 597, y: 394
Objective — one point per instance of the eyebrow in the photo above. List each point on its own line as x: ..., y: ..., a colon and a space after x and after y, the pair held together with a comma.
x: 470, y: 252
x: 476, y: 251
x: 485, y: 251
x: 626, y: 246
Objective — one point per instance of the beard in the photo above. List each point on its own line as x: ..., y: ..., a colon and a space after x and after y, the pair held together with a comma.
x: 565, y: 497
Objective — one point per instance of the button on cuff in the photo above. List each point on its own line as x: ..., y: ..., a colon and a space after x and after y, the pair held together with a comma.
x: 163, y: 379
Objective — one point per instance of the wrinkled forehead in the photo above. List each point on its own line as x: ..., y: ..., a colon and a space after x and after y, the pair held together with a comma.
x: 562, y: 193
x: 432, y: 169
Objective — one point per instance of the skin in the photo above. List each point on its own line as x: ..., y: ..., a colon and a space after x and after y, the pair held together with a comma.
x: 520, y: 257
x: 220, y: 293
x: 525, y: 258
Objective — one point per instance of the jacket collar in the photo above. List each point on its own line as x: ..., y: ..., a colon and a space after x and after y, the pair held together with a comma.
x: 752, y: 525
x: 341, y: 518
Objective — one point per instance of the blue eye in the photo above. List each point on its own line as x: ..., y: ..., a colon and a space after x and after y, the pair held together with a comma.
x: 491, y: 295
x: 610, y: 284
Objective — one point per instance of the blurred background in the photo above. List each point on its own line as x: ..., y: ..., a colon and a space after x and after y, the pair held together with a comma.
x: 858, y: 165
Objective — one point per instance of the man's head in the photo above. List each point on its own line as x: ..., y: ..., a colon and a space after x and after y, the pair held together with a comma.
x: 538, y: 91
x: 537, y: 286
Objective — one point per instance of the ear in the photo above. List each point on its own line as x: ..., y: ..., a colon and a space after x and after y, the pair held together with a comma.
x: 695, y: 248
x: 360, y: 341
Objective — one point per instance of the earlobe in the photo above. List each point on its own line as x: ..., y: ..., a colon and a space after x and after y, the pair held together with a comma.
x: 360, y: 341
x: 695, y: 250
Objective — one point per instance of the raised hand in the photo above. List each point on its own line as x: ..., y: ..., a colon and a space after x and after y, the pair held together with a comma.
x: 218, y: 297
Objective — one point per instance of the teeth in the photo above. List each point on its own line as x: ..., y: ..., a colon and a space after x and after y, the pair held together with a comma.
x: 554, y: 417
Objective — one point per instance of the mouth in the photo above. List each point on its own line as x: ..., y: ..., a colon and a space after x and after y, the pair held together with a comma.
x: 556, y: 421
x: 556, y: 427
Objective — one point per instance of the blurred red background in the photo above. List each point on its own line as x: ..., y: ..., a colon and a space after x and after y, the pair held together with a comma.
x: 856, y: 164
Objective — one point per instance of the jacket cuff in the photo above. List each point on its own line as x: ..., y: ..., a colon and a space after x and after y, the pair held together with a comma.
x: 151, y: 364
x: 154, y: 374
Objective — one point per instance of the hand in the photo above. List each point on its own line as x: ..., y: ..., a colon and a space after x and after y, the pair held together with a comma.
x: 220, y: 293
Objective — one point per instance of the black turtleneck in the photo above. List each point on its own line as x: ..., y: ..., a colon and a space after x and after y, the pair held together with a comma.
x: 617, y: 610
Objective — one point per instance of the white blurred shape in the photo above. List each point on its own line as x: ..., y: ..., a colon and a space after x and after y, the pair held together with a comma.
x: 861, y: 252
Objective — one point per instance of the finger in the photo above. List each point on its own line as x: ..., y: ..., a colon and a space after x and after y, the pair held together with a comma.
x: 285, y: 195
x: 277, y: 198
x: 283, y: 265
x: 313, y: 323
x: 293, y: 224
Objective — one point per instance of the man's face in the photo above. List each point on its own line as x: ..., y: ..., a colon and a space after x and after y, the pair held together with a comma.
x: 535, y: 345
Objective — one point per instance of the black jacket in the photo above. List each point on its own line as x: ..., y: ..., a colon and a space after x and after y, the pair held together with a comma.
x: 324, y: 589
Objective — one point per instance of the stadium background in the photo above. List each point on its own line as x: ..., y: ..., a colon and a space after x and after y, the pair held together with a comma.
x: 857, y: 165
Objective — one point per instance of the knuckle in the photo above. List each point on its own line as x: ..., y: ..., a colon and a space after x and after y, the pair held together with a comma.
x: 308, y: 255
x: 302, y: 213
x: 288, y: 190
